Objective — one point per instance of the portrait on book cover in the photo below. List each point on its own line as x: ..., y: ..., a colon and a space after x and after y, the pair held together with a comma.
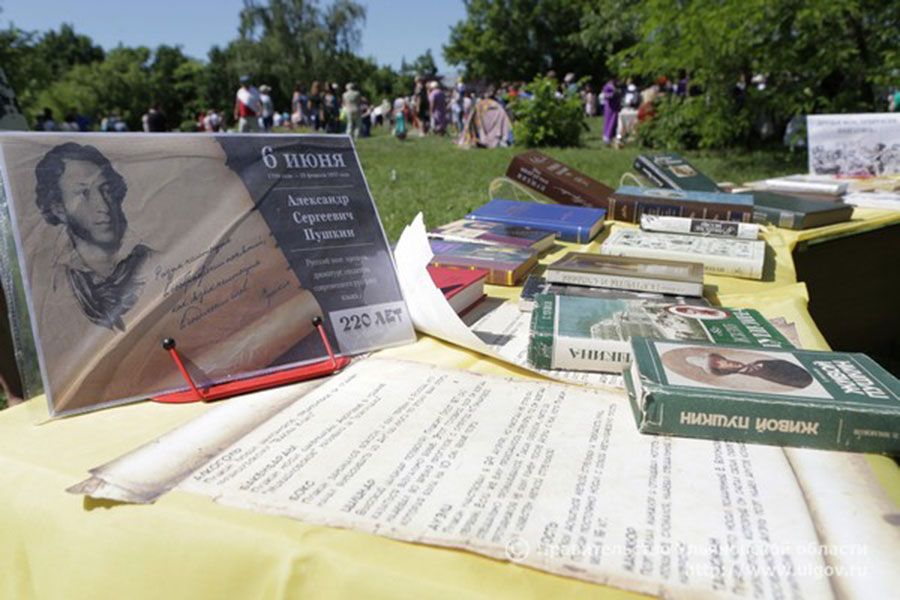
x: 738, y: 370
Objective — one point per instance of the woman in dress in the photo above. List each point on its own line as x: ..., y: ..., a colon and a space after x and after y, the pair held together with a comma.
x: 611, y: 106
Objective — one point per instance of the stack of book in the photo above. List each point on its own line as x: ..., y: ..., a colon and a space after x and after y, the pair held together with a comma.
x: 593, y: 334
x: 585, y: 305
x: 505, y: 237
x: 794, y: 202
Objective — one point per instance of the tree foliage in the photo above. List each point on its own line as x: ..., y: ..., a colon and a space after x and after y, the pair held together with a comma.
x: 545, y: 120
x: 507, y: 40
x: 279, y: 42
x: 813, y: 56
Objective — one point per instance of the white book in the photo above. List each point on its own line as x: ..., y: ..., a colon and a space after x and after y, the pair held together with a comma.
x: 876, y: 199
x: 720, y: 256
x: 815, y: 184
x: 692, y: 226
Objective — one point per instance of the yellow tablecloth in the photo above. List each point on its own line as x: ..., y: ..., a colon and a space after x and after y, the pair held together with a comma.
x: 57, y: 545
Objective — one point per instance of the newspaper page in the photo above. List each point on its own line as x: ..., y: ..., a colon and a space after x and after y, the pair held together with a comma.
x: 866, y: 144
x: 551, y: 476
x: 500, y: 331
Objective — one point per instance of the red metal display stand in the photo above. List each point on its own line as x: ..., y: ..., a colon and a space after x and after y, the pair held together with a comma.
x: 251, y: 384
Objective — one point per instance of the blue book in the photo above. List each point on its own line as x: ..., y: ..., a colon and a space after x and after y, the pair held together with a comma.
x: 571, y: 223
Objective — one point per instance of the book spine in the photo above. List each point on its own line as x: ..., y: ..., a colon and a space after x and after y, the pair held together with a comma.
x: 731, y: 229
x: 716, y: 265
x: 630, y: 209
x: 786, y: 219
x: 757, y: 421
x: 675, y: 288
x: 540, y: 342
x: 495, y: 276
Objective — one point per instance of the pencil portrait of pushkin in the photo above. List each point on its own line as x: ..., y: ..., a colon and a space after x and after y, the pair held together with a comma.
x: 81, y: 195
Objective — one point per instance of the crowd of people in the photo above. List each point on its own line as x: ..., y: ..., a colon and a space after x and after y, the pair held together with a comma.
x: 430, y: 108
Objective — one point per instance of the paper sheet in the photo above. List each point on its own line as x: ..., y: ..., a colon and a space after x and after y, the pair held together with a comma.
x: 500, y: 332
x: 548, y: 475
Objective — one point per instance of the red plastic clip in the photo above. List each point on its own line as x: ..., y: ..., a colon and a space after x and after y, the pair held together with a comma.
x: 251, y: 384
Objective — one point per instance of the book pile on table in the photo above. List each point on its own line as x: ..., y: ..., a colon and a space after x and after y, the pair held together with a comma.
x: 505, y: 238
x: 692, y: 369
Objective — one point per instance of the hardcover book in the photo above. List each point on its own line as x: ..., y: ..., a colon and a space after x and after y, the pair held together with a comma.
x: 828, y: 400
x: 824, y: 185
x: 731, y: 229
x: 505, y: 265
x: 229, y: 244
x: 640, y: 275
x: 486, y: 232
x: 570, y: 223
x: 791, y: 212
x: 557, y: 181
x: 536, y: 284
x: 462, y: 288
x: 672, y: 171
x: 735, y: 257
x: 628, y: 203
x: 592, y: 334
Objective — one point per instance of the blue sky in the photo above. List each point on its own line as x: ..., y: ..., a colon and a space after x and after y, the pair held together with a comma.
x: 394, y: 29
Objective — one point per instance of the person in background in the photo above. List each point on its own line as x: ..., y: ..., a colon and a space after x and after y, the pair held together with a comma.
x: 70, y: 123
x: 314, y: 106
x: 458, y: 101
x: 894, y: 101
x: 628, y: 115
x: 589, y: 98
x: 437, y: 105
x: 299, y: 102
x: 45, y: 122
x: 402, y: 114
x: 156, y: 120
x: 632, y: 97
x: 611, y: 105
x: 420, y: 105
x: 681, y: 86
x: 365, y: 118
x: 330, y: 110
x: 212, y: 121
x: 247, y: 106
x: 570, y: 86
x: 267, y: 114
x: 350, y: 102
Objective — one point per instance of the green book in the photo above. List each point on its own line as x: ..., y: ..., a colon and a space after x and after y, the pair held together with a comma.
x: 592, y: 334
x: 828, y: 400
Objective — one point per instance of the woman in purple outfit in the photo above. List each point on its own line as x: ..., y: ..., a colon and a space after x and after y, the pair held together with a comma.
x: 611, y: 105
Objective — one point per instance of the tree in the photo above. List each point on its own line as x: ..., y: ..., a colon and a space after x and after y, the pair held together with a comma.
x: 819, y: 56
x: 33, y: 62
x: 506, y: 40
x: 286, y: 40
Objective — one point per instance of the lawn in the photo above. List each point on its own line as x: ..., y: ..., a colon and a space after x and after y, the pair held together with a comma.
x: 434, y: 176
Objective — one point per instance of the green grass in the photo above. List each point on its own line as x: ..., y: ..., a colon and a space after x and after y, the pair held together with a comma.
x: 434, y: 176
